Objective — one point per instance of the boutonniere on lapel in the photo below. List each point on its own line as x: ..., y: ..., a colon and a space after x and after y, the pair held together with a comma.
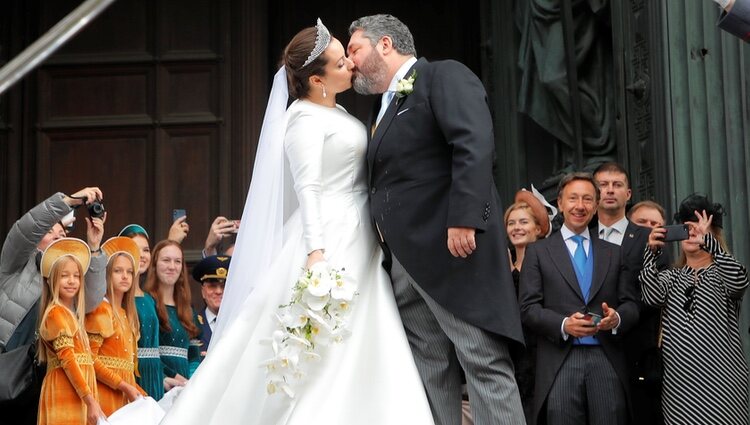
x: 405, y: 86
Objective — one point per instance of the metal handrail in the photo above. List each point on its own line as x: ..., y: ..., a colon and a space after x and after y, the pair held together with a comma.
x: 52, y: 40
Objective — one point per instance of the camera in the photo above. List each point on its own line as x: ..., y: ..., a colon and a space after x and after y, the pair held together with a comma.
x: 96, y: 209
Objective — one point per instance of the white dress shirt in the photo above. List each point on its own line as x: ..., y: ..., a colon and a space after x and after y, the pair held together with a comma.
x: 614, y: 233
x: 389, y: 94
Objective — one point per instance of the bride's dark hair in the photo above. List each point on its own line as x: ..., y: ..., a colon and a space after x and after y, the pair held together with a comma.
x: 295, y: 54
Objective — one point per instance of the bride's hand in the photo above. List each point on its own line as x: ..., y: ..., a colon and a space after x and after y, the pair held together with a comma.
x: 314, y: 257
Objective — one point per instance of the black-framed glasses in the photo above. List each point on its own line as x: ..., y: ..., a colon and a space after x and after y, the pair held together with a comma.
x: 690, y: 299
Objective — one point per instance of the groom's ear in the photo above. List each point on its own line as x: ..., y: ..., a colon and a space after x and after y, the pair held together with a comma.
x: 387, y: 44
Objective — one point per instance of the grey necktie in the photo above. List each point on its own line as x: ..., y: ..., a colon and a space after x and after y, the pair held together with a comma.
x: 385, y: 101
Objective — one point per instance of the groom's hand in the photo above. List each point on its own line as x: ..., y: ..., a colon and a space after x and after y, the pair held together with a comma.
x: 461, y: 241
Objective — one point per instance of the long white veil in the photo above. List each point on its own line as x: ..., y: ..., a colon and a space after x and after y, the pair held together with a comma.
x: 269, y: 202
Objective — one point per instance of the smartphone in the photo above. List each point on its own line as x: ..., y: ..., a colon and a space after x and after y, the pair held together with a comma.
x: 677, y: 232
x: 177, y: 213
x: 592, y: 316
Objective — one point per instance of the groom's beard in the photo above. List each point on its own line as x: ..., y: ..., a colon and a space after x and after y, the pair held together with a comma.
x: 369, y: 77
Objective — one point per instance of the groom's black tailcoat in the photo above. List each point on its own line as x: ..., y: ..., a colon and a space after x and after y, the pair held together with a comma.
x: 430, y: 163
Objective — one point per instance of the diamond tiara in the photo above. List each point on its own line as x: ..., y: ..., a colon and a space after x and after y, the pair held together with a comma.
x: 321, y: 43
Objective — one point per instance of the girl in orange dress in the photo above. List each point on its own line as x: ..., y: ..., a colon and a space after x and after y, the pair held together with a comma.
x: 113, y: 328
x: 69, y: 388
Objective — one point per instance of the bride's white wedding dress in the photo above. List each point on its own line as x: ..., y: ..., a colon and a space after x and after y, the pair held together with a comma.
x: 370, y: 378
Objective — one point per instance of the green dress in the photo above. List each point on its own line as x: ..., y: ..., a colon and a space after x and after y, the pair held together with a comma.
x: 150, y: 370
x: 179, y: 353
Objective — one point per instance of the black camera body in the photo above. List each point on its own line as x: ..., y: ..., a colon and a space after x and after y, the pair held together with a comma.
x: 96, y: 209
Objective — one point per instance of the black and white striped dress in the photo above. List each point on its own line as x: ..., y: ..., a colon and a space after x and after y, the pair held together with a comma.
x: 705, y: 372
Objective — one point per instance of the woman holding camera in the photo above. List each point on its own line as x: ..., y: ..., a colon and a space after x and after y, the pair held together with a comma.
x: 705, y: 372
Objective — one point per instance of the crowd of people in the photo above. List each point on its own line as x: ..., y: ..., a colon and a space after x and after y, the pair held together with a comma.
x: 585, y: 322
x: 109, y: 321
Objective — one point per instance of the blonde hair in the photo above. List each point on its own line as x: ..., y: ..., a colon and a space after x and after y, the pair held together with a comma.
x: 526, y: 207
x: 51, y: 298
x: 128, y: 298
x: 521, y: 206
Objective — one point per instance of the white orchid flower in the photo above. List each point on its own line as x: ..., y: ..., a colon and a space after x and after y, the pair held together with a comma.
x: 344, y: 288
x: 293, y: 316
x: 320, y: 284
x: 316, y: 303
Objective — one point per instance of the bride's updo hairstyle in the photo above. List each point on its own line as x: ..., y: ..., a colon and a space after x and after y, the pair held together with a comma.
x: 295, y: 55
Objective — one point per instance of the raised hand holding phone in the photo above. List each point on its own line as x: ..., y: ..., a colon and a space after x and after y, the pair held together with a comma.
x: 177, y: 213
x: 656, y: 238
x: 179, y: 229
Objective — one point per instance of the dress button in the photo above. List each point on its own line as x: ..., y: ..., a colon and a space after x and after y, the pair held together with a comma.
x: 373, y: 191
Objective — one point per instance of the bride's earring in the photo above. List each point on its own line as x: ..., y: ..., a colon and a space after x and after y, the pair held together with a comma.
x: 324, y: 92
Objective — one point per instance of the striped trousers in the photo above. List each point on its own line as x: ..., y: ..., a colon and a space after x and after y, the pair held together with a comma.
x: 587, y: 391
x: 442, y: 345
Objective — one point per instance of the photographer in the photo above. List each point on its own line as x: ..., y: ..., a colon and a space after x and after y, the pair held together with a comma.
x: 20, y: 281
x: 705, y: 372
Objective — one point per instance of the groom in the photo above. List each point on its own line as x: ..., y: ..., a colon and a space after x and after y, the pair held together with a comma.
x: 437, y: 214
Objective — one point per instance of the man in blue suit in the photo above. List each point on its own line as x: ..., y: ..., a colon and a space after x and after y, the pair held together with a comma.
x: 578, y: 299
x: 211, y: 272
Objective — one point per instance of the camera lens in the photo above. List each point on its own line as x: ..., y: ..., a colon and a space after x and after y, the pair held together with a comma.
x: 96, y: 209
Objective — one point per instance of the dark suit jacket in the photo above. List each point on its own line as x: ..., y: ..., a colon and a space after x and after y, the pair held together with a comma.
x: 641, y: 341
x: 549, y: 292
x: 205, y: 331
x: 737, y: 20
x: 430, y: 168
x: 641, y: 347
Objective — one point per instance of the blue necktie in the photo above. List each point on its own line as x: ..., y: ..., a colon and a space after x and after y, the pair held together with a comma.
x: 579, y: 256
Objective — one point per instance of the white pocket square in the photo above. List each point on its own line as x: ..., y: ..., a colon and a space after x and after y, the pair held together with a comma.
x: 401, y: 112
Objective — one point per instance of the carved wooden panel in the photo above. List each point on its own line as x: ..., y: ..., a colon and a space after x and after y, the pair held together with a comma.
x: 147, y: 112
x: 188, y: 30
x: 125, y: 31
x: 190, y: 92
x: 115, y: 160
x: 78, y: 95
x: 186, y: 178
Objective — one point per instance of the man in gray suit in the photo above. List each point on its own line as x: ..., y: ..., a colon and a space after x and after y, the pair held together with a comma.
x: 577, y: 297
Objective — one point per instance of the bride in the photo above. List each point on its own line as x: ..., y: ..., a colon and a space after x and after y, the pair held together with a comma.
x: 307, y: 205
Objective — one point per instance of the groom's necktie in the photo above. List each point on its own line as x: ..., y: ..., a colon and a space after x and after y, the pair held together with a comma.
x: 384, y: 102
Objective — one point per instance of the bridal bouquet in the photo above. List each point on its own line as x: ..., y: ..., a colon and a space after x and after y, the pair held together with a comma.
x: 315, y: 317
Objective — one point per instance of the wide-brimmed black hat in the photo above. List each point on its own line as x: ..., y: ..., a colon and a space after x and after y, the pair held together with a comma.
x: 699, y: 202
